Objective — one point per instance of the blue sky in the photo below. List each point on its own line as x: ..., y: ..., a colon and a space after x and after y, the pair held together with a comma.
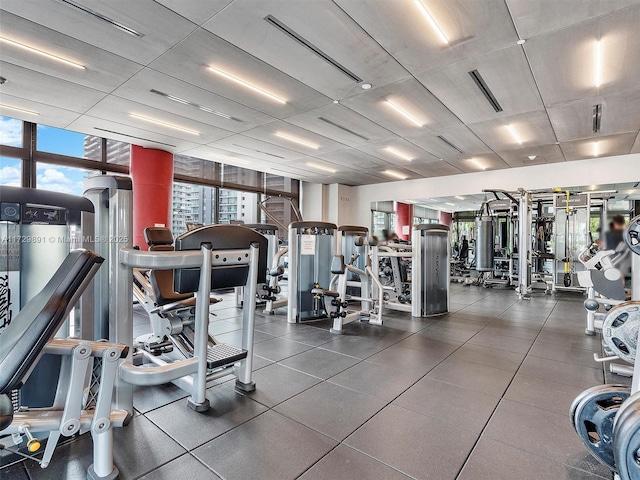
x: 53, y: 140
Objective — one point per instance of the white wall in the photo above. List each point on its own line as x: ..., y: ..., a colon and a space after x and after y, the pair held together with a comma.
x: 339, y: 206
x: 618, y: 169
x: 314, y: 199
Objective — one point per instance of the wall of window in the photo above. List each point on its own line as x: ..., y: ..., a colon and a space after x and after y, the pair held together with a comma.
x: 204, y: 192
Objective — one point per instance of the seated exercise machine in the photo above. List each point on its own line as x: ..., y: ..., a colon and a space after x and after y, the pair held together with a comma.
x: 393, y: 265
x: 607, y: 417
x: 363, y: 282
x: 171, y: 314
x: 603, y: 283
x: 85, y: 384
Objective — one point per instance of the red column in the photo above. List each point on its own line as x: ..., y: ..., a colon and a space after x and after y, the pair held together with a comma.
x: 404, y: 218
x: 152, y: 175
x: 445, y: 218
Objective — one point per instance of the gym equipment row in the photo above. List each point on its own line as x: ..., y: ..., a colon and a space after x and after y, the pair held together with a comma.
x: 93, y: 387
x: 607, y: 417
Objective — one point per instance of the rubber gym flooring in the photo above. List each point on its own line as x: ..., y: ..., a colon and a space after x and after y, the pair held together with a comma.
x: 482, y: 393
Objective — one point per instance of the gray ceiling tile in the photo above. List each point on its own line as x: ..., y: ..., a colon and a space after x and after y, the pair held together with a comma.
x: 532, y: 128
x: 607, y: 146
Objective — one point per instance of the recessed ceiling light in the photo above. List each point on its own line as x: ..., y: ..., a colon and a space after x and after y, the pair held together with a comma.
x: 477, y: 164
x: 42, y: 53
x: 404, y: 113
x: 164, y: 124
x: 366, y: 86
x: 394, y: 174
x: 452, y: 204
x: 192, y: 104
x: 459, y: 197
x: 230, y: 159
x: 336, y: 101
x: 246, y: 84
x: 532, y: 157
x: 431, y: 21
x: 515, y: 134
x: 596, y: 149
x: 18, y: 109
x: 398, y: 154
x: 317, y: 166
x: 597, y: 71
x: 521, y: 41
x: 296, y: 140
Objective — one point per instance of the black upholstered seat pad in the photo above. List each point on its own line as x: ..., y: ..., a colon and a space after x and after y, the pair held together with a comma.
x: 22, y: 342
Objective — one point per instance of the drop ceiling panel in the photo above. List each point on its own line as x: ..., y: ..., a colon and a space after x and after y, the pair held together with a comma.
x: 506, y: 73
x: 126, y: 133
x: 120, y: 110
x: 139, y: 87
x: 620, y: 113
x: 387, y: 151
x: 211, y: 154
x: 275, y: 133
x: 472, y: 27
x: 636, y: 145
x: 610, y: 145
x: 47, y: 115
x: 436, y: 169
x: 543, y: 153
x: 104, y: 71
x: 351, y: 158
x: 253, y: 147
x: 29, y: 84
x: 460, y: 136
x: 198, y: 11
x: 532, y: 128
x: 161, y: 27
x: 478, y: 163
x: 411, y: 97
x: 321, y: 23
x: 364, y: 130
x: 188, y: 61
x: 564, y: 62
x: 362, y: 179
x: 544, y: 16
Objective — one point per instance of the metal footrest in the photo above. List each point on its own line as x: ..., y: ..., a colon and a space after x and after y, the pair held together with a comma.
x: 222, y: 354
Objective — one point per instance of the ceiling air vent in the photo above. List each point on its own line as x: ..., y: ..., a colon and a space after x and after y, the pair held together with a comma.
x: 597, y: 117
x: 258, y: 151
x: 450, y: 144
x: 99, y: 16
x: 331, y: 122
x: 132, y: 136
x: 305, y: 43
x: 486, y: 91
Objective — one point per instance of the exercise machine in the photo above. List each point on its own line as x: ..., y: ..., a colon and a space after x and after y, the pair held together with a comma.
x: 311, y: 248
x: 393, y: 264
x: 431, y: 274
x: 607, y: 417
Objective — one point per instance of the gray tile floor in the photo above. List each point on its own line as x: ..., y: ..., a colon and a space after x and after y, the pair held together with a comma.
x: 482, y: 393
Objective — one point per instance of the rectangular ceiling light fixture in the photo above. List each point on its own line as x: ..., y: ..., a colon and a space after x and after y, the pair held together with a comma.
x: 331, y: 122
x: 99, y: 16
x: 596, y: 149
x: 451, y: 204
x: 459, y: 197
x: 597, y: 71
x: 597, y: 117
x: 486, y: 91
x: 477, y: 164
x: 229, y: 159
x: 164, y: 124
x: 450, y: 144
x: 132, y: 136
x: 394, y: 174
x: 431, y: 21
x: 308, y: 45
x: 192, y: 104
x: 41, y: 52
x: 317, y: 166
x: 18, y: 109
x: 515, y: 135
x: 405, y: 114
x: 296, y: 140
x: 246, y: 84
x: 398, y: 154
